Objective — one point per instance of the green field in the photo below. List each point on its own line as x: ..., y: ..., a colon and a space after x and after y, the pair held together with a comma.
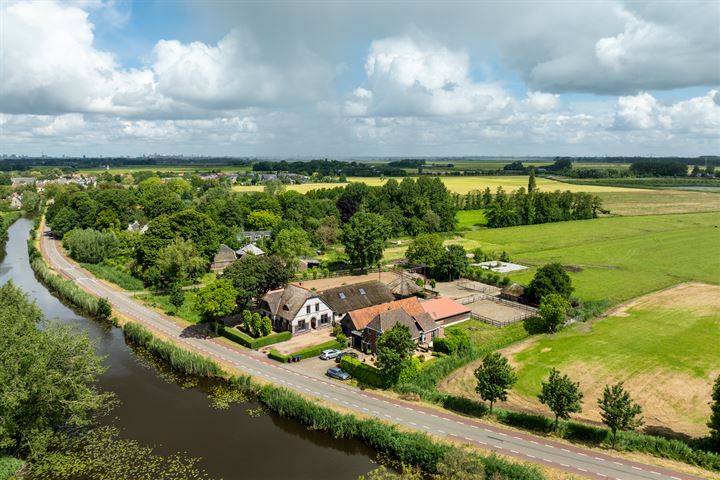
x: 470, y: 219
x: 460, y: 184
x: 649, y: 342
x: 619, y: 257
x: 187, y: 310
x: 659, y: 346
x: 657, y: 202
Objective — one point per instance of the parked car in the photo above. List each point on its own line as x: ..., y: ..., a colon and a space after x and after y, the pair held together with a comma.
x: 339, y: 373
x: 329, y: 353
x: 346, y: 354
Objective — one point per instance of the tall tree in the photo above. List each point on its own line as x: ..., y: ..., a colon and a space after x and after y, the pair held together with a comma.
x: 550, y: 278
x: 179, y: 262
x: 426, y: 249
x: 532, y: 184
x: 216, y: 300
x: 292, y: 243
x: 618, y: 410
x: 714, y: 422
x: 48, y: 376
x: 553, y: 312
x: 453, y: 263
x: 394, y: 349
x: 254, y: 276
x: 494, y: 377
x: 364, y: 238
x: 561, y: 395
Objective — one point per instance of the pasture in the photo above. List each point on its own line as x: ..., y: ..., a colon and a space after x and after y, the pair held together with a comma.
x: 460, y: 185
x: 659, y: 345
x: 657, y: 202
x: 470, y: 219
x: 614, y: 258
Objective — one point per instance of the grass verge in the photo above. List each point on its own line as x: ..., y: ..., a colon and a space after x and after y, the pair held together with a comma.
x: 114, y: 275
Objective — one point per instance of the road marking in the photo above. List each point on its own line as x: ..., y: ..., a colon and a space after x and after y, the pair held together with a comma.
x: 636, y: 468
x: 581, y: 469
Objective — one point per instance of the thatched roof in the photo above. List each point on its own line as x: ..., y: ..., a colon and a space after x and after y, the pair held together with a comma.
x: 514, y: 290
x: 224, y: 254
x: 359, y: 295
x: 286, y: 303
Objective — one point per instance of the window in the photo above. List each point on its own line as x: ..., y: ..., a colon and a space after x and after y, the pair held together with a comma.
x: 341, y: 295
x: 324, y: 319
x: 362, y: 291
x: 434, y: 334
x: 317, y: 307
x: 302, y: 325
x: 307, y: 309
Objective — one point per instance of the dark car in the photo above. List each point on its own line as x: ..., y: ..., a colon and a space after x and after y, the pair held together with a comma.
x: 339, y: 373
x: 346, y: 354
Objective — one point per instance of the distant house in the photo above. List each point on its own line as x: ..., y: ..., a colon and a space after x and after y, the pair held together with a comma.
x: 224, y: 257
x: 355, y: 321
x: 513, y: 292
x: 353, y: 297
x: 250, y: 249
x: 446, y: 311
x: 296, y: 309
x: 253, y: 236
x: 15, y: 200
x: 422, y: 328
x: 137, y: 227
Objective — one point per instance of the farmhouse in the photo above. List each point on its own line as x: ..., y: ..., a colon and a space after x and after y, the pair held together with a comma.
x: 296, y: 309
x: 422, y: 327
x: 356, y: 296
x: 224, y: 257
x: 446, y: 311
x: 357, y: 320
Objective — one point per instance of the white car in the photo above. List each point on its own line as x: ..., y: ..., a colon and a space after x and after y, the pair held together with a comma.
x: 328, y: 354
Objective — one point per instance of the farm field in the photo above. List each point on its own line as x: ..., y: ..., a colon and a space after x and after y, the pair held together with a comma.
x: 655, y: 202
x: 614, y: 258
x: 460, y: 185
x: 658, y: 344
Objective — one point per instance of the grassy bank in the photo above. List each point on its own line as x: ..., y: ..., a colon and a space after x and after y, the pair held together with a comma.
x: 179, y: 359
x: 186, y: 311
x: 114, y: 275
x: 7, y: 219
x: 9, y: 466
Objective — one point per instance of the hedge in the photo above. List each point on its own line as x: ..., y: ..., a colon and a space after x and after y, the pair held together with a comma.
x: 6, y: 220
x: 408, y: 448
x: 178, y: 358
x: 246, y: 340
x: 312, y: 351
x: 362, y: 372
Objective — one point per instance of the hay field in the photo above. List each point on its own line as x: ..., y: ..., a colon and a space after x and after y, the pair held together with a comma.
x: 461, y: 184
x: 661, y: 345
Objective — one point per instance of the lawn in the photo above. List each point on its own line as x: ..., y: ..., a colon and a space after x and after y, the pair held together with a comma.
x: 482, y: 333
x: 459, y: 184
x: 469, y: 219
x: 617, y: 258
x: 661, y: 347
x: 186, y: 311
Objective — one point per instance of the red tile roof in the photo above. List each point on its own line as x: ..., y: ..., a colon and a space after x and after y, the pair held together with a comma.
x: 441, y: 308
x: 362, y: 316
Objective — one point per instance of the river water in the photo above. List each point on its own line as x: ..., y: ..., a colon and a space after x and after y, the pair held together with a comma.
x: 158, y: 412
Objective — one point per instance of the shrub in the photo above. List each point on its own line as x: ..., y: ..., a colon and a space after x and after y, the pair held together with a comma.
x: 245, y: 340
x: 363, y: 372
x: 90, y: 246
x: 178, y: 358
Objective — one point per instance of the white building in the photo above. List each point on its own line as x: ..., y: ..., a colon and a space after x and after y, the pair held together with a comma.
x: 296, y: 309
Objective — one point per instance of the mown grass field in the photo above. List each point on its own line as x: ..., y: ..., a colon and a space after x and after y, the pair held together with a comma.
x: 470, y: 219
x: 619, y: 257
x: 459, y: 184
x: 657, y: 202
x: 659, y: 346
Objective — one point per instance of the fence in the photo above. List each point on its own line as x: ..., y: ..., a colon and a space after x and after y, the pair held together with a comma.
x: 528, y: 311
x: 500, y: 323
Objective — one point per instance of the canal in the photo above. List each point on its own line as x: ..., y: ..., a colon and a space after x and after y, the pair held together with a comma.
x: 155, y: 410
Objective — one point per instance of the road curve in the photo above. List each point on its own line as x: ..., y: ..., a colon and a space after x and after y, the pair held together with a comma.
x: 522, y: 446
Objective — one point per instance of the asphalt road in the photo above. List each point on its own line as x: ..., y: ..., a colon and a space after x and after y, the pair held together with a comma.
x: 524, y: 447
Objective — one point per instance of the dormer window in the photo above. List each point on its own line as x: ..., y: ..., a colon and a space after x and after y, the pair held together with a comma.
x: 341, y: 295
x: 362, y: 291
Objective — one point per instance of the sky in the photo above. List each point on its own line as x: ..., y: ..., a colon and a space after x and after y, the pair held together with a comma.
x: 360, y: 78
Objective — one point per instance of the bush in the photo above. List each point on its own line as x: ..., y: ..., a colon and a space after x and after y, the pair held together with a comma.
x: 312, y: 351
x: 362, y: 372
x: 246, y: 340
x: 90, y: 246
x: 455, y: 341
x: 179, y: 359
x: 114, y: 275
